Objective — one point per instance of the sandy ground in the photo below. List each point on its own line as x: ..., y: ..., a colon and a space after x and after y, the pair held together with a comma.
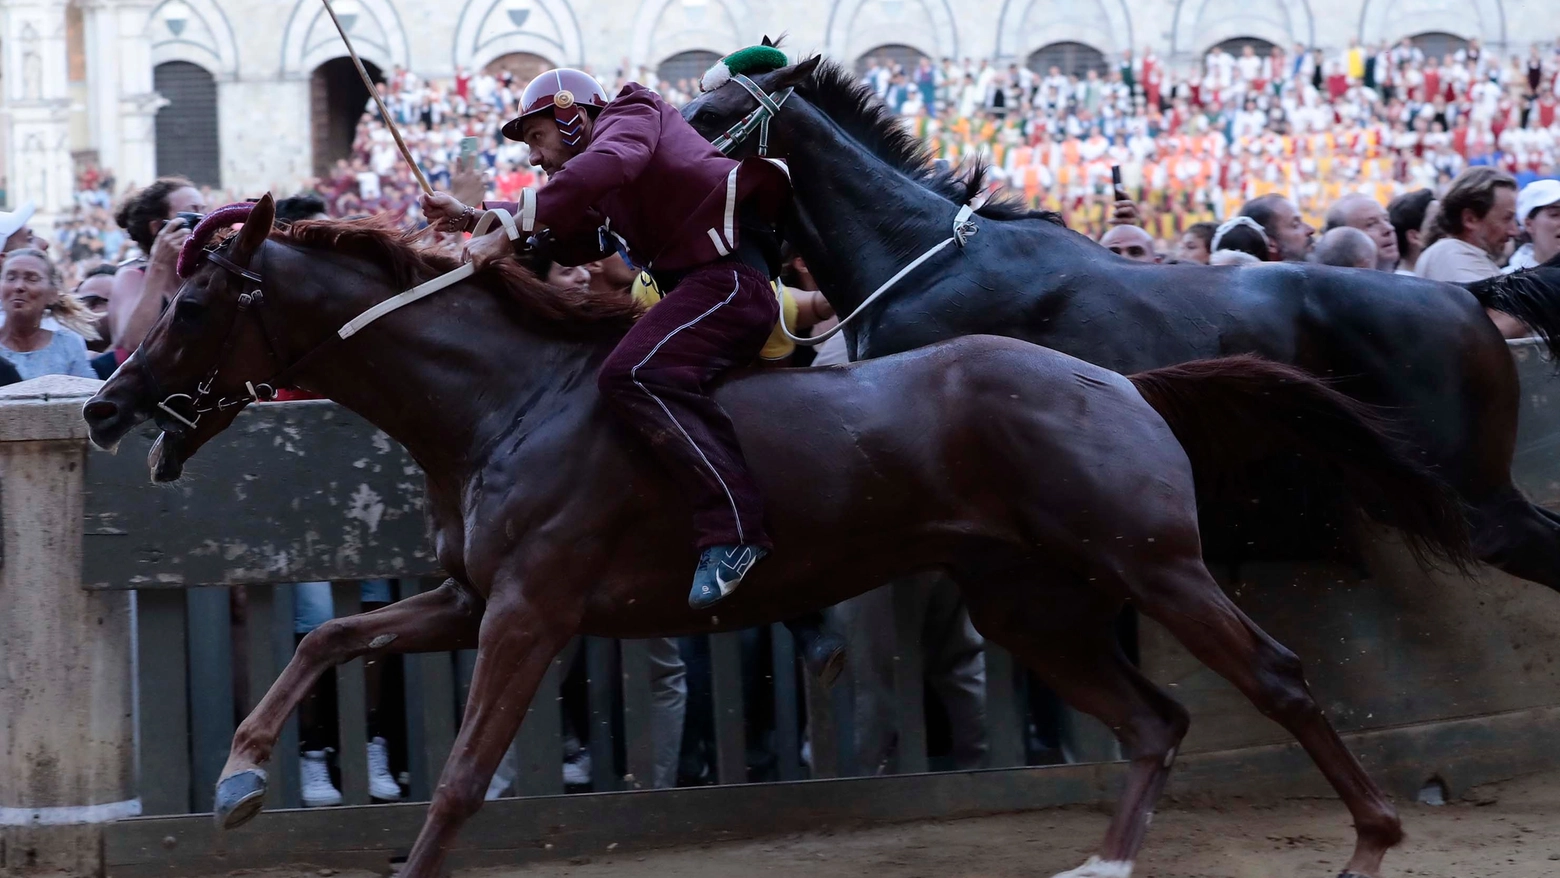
x: 1509, y: 830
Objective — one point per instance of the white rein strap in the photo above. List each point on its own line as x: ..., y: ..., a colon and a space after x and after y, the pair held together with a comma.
x: 963, y: 228
x: 443, y: 281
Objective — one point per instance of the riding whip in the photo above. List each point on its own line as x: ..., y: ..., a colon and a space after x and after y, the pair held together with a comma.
x: 384, y: 112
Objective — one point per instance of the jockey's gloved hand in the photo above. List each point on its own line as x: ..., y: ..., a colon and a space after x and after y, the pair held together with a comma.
x: 541, y: 242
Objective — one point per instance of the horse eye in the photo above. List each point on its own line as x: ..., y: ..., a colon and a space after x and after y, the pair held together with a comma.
x: 189, y: 310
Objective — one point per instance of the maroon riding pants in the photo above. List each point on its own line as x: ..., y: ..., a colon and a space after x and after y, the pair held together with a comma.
x: 658, y: 380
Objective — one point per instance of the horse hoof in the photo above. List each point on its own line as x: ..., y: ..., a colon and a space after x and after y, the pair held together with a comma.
x: 1095, y: 867
x: 239, y: 798
x: 825, y: 657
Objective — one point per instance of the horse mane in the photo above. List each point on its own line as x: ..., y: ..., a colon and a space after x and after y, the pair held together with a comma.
x: 539, y: 305
x: 844, y: 98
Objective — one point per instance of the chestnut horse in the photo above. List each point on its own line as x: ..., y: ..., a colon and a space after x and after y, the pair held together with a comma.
x: 1053, y: 491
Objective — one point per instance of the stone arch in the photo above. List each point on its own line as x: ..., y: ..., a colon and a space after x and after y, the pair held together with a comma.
x: 523, y: 66
x: 310, y: 39
x: 1439, y: 43
x: 1198, y: 25
x: 1236, y: 45
x: 195, y: 31
x: 1392, y: 20
x: 928, y: 26
x: 907, y: 57
x: 663, y: 28
x: 490, y: 29
x: 1025, y: 26
x: 690, y: 65
x: 1072, y: 58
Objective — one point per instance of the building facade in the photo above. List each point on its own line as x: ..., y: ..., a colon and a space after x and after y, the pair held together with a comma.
x: 241, y: 90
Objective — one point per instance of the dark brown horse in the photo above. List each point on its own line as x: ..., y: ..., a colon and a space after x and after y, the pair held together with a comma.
x: 868, y: 200
x: 1054, y: 491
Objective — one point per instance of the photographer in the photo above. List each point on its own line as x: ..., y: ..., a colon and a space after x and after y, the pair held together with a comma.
x: 159, y: 219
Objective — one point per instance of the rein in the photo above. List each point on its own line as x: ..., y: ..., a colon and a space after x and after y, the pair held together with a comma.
x: 768, y: 108
x: 177, y: 411
x: 963, y: 228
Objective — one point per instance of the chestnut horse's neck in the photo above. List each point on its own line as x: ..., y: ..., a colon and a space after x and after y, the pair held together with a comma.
x: 447, y: 377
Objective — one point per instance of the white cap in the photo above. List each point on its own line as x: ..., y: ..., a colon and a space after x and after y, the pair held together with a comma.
x: 11, y: 223
x: 1537, y: 194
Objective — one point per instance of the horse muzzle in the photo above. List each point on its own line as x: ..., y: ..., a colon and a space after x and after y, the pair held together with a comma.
x: 108, y: 419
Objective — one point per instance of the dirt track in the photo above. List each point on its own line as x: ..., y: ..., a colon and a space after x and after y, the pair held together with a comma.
x: 1509, y: 830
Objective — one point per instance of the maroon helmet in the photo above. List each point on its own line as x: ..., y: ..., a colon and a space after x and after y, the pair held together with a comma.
x: 565, y: 92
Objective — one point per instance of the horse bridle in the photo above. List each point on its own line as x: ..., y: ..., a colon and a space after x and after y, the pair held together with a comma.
x: 177, y: 412
x: 768, y: 108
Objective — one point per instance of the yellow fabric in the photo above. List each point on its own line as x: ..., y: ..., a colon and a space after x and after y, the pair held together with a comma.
x: 645, y: 292
x: 778, y: 347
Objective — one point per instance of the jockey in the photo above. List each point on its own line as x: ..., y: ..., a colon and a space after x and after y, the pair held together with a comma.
x: 631, y: 176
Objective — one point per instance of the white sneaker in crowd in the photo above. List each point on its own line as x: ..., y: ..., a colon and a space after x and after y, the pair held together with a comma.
x: 576, y: 771
x: 318, y: 791
x: 576, y: 762
x: 381, y: 785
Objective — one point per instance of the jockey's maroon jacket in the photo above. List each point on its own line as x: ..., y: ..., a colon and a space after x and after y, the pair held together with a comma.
x: 649, y: 178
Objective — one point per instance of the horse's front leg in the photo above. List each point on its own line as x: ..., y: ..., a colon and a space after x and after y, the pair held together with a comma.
x: 520, y: 637
x: 446, y: 618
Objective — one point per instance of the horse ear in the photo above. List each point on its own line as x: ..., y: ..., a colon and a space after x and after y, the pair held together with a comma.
x: 797, y: 73
x: 766, y: 41
x: 256, y: 228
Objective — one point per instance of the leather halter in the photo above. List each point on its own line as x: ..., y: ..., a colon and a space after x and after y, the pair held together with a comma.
x: 768, y: 108
x: 179, y: 412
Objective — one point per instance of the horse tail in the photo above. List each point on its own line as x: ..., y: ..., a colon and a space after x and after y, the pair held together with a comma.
x: 1532, y: 296
x: 1229, y: 412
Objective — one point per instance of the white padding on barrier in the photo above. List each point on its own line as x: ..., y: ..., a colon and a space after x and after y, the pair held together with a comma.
x: 61, y: 816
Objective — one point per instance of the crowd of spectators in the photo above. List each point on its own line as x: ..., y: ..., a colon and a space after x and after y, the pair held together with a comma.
x: 1192, y: 145
x: 1195, y: 144
x: 1335, y: 137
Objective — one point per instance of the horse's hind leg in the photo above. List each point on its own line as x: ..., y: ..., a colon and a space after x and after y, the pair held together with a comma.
x: 1518, y: 537
x: 1182, y: 596
x: 1066, y: 634
x: 446, y: 618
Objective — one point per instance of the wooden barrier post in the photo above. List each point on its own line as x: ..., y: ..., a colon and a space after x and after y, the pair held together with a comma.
x: 67, y: 733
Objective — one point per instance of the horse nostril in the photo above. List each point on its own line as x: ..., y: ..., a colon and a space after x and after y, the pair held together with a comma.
x: 100, y: 411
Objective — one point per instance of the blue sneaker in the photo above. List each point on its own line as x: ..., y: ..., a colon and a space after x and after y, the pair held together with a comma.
x: 720, y: 571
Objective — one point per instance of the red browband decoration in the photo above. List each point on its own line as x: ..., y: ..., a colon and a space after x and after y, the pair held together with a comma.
x: 193, y: 253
